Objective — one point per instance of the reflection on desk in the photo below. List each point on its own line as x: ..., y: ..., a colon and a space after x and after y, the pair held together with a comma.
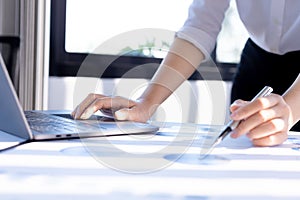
x: 161, y: 166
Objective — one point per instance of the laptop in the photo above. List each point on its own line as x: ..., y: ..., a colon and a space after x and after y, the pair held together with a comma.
x: 47, y: 125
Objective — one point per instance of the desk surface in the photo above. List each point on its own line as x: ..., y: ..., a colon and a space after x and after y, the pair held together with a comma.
x: 161, y: 166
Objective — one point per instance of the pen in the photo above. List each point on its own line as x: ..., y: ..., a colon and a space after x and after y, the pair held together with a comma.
x: 233, y: 124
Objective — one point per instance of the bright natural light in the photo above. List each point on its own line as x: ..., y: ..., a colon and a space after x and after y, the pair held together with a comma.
x: 90, y: 23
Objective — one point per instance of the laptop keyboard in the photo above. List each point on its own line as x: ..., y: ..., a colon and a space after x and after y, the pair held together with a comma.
x: 46, y: 123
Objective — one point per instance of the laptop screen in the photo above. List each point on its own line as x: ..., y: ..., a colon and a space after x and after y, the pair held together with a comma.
x: 12, y: 118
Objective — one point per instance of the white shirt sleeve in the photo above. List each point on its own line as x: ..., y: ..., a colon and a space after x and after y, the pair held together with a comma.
x: 204, y: 24
x: 272, y: 24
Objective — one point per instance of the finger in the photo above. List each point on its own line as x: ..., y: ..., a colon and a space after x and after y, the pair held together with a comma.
x: 96, y: 105
x: 106, y: 103
x: 236, y: 104
x: 253, y: 107
x: 108, y: 112
x: 88, y: 112
x: 110, y: 105
x: 271, y: 140
x: 255, y: 120
x: 85, y: 104
x: 268, y: 128
x: 123, y: 114
x: 120, y: 102
x: 131, y: 114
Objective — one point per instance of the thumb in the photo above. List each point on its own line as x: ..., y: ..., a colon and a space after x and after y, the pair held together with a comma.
x: 123, y: 114
x: 131, y: 114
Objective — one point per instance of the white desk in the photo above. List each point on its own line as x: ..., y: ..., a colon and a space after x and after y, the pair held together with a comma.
x: 234, y: 170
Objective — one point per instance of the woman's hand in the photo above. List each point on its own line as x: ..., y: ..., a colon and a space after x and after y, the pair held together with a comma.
x: 265, y: 121
x: 119, y: 107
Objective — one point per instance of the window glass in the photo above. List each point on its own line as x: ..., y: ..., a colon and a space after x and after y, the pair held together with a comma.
x: 232, y: 37
x: 89, y: 23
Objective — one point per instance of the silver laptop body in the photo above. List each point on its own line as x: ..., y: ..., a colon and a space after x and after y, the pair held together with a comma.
x: 43, y: 125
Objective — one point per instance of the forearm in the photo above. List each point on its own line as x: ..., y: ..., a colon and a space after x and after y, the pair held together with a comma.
x: 179, y: 64
x: 292, y: 98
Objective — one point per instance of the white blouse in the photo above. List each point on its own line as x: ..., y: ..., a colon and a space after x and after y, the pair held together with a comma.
x: 274, y: 25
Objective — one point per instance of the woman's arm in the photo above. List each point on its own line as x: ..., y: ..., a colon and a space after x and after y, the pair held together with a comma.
x: 181, y: 61
x: 179, y: 64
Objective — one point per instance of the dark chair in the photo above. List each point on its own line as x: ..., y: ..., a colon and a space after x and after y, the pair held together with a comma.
x: 9, y: 46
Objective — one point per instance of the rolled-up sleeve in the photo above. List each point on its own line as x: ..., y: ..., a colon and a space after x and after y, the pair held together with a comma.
x: 204, y: 24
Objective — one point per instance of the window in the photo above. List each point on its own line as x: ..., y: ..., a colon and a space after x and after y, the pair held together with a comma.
x: 232, y: 37
x: 100, y: 20
x: 79, y: 27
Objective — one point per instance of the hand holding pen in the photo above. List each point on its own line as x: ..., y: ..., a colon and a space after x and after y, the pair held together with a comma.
x: 264, y: 120
x: 230, y: 127
x: 232, y: 124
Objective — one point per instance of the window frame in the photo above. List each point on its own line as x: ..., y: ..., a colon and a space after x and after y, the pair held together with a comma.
x: 64, y: 63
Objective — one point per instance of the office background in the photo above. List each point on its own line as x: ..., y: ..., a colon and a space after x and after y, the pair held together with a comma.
x: 42, y: 87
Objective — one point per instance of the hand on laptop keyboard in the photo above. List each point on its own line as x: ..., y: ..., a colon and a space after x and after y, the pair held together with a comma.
x: 119, y: 107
